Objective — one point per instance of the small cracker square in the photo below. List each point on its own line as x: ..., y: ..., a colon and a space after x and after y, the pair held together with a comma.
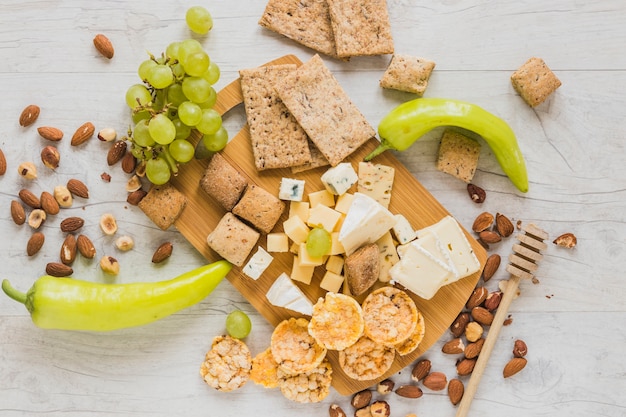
x: 223, y: 182
x: 304, y: 21
x: 361, y: 27
x: 260, y: 208
x: 408, y: 73
x: 534, y: 81
x: 232, y: 239
x: 163, y: 205
x: 277, y: 139
x: 324, y: 110
x: 458, y: 155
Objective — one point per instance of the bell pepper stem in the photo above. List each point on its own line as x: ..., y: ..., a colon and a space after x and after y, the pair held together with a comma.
x: 384, y: 146
x: 12, y: 292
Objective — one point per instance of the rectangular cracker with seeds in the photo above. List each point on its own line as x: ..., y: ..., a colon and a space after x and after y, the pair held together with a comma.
x: 324, y: 110
x: 277, y: 139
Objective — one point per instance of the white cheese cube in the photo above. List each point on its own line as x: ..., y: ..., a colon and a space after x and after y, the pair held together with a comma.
x: 331, y: 282
x: 296, y: 229
x: 402, y: 230
x: 258, y: 263
x: 376, y: 180
x: 285, y: 293
x: 323, y: 197
x: 322, y: 216
x: 340, y: 178
x: 291, y: 189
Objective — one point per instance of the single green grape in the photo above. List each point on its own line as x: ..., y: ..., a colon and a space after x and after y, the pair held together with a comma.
x: 211, y: 101
x: 172, y: 50
x: 141, y: 134
x: 212, y: 74
x: 141, y: 115
x: 182, y: 130
x: 145, y: 67
x: 189, y: 113
x: 138, y: 94
x: 238, y: 324
x: 181, y: 150
x: 160, y: 76
x: 186, y: 48
x: 197, y: 63
x: 318, y: 242
x: 175, y: 94
x: 158, y: 171
x: 196, y: 89
x: 199, y: 20
x: 210, y: 122
x: 179, y: 71
x: 161, y: 129
x: 217, y: 141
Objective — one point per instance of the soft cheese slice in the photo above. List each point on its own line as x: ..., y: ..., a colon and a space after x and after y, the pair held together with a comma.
x: 366, y: 222
x: 431, y: 243
x: 285, y: 293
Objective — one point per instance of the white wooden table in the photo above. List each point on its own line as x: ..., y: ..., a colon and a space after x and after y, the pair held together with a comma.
x: 572, y: 320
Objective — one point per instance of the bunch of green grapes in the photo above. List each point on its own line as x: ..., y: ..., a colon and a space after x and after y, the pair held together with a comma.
x: 175, y: 97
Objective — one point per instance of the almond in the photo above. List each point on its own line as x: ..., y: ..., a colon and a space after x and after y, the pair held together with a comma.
x: 520, y: 349
x: 514, y: 366
x: 336, y: 411
x: 29, y: 115
x: 84, y: 132
x: 420, y: 370
x: 129, y: 162
x: 77, y: 188
x: 380, y: 409
x: 136, y: 196
x: 50, y: 157
x: 482, y: 316
x: 409, y: 391
x: 504, y: 226
x: 71, y: 224
x: 163, y: 252
x: 85, y: 247
x: 478, y: 296
x: 49, y: 203
x: 456, y: 389
x: 491, y: 266
x: 489, y: 237
x: 465, y: 366
x: 35, y: 243
x: 29, y: 198
x: 68, y: 250
x: 566, y: 240
x: 477, y: 194
x: 482, y: 222
x: 17, y: 212
x: 473, y: 349
x: 116, y: 152
x: 458, y: 325
x: 57, y: 269
x: 104, y: 46
x: 454, y: 346
x: 436, y: 381
x: 50, y: 133
x: 3, y: 163
x: 361, y: 399
x: 493, y: 301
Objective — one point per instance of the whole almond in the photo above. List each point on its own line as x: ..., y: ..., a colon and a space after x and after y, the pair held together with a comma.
x: 478, y: 296
x: 163, y: 252
x: 458, y: 325
x: 68, y: 250
x: 491, y: 266
x: 18, y: 214
x: 504, y: 226
x: 409, y: 391
x: 482, y: 316
x: 492, y: 302
x: 3, y: 163
x: 420, y: 370
x: 454, y: 346
x: 482, y: 222
x: 50, y: 133
x: 49, y: 204
x: 513, y: 367
x: 71, y: 224
x: 361, y: 399
x: 77, y: 188
x: 456, y: 389
x: 116, y: 152
x: 465, y: 366
x: 29, y: 198
x: 84, y: 132
x: 35, y: 243
x: 129, y: 162
x: 104, y: 46
x: 50, y: 157
x: 473, y: 349
x: 336, y: 411
x: 489, y: 236
x: 57, y: 269
x: 436, y: 381
x: 29, y: 115
x: 85, y: 247
x: 520, y: 349
x: 136, y: 196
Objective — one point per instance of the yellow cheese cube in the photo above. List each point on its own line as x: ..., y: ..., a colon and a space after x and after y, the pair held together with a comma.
x: 323, y: 197
x: 300, y: 209
x: 294, y: 248
x: 335, y: 264
x: 302, y: 273
x: 346, y: 287
x: 323, y: 216
x: 296, y: 229
x: 343, y: 202
x: 331, y: 282
x: 388, y: 256
x: 339, y: 223
x: 277, y: 242
x: 336, y: 248
x: 308, y: 260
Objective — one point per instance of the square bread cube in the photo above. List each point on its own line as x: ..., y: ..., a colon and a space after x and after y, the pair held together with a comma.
x: 534, y: 81
x: 232, y: 239
x: 223, y: 182
x: 260, y: 208
x: 408, y: 73
x: 458, y: 155
x: 163, y: 205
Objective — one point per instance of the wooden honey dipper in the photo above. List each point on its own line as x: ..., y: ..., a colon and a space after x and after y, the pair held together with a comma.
x: 522, y: 265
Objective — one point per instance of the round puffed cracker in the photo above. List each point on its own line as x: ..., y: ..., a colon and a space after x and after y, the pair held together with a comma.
x: 293, y: 348
x: 307, y: 387
x: 390, y: 316
x: 366, y: 359
x: 337, y: 321
x: 410, y: 344
x: 227, y: 364
x: 264, y: 369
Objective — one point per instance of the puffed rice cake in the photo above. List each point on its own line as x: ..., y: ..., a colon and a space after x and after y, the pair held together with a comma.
x: 410, y: 344
x: 227, y: 364
x: 308, y: 387
x: 390, y: 316
x: 337, y: 321
x: 366, y: 360
x: 264, y: 369
x: 293, y: 348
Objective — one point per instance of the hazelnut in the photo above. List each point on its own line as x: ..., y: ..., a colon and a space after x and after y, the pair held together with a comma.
x: 124, y: 243
x: 473, y: 331
x: 520, y: 349
x: 385, y: 386
x: 108, y: 224
x: 27, y: 170
x: 36, y: 218
x: 63, y: 196
x: 109, y: 265
x: 108, y: 134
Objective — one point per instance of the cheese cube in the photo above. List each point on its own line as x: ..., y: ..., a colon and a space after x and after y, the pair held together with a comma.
x: 343, y: 202
x: 300, y: 209
x: 338, y: 179
x: 285, y: 293
x: 296, y: 229
x: 323, y: 216
x: 258, y: 263
x: 300, y: 272
x: 323, y: 197
x: 331, y: 282
x: 291, y: 189
x: 334, y: 263
x: 307, y: 260
x: 345, y: 289
x: 336, y: 248
x: 388, y: 256
x: 376, y: 180
x: 402, y: 230
x: 277, y: 242
x: 339, y: 223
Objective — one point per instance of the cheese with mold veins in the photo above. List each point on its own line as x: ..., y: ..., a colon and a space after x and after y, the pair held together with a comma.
x: 339, y: 178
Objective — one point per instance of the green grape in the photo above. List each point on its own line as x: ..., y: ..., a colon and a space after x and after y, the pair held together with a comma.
x: 182, y: 130
x: 141, y: 115
x: 210, y: 122
x: 238, y: 324
x: 189, y: 113
x: 318, y: 242
x: 179, y: 71
x: 212, y: 74
x: 199, y: 20
x: 211, y: 101
x: 175, y: 94
x: 142, y: 154
x: 171, y: 50
x: 186, y: 48
x: 158, y: 171
x: 160, y: 76
x: 141, y: 134
x: 217, y: 141
x: 161, y: 129
x: 138, y: 94
x: 145, y: 67
x: 171, y: 162
x: 196, y: 89
x: 197, y: 63
x: 181, y: 150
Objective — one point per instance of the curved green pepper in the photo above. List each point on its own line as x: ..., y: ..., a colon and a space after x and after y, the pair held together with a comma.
x: 409, y: 121
x: 71, y: 304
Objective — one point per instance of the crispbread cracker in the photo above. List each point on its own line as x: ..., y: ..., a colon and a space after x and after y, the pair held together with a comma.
x: 277, y: 139
x: 534, y: 81
x: 321, y: 106
x: 304, y: 21
x: 163, y: 205
x: 232, y: 239
x: 458, y: 155
x: 223, y: 182
x: 361, y: 27
x: 408, y: 73
x: 317, y: 160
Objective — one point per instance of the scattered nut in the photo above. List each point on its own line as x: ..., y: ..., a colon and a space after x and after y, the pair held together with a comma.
x: 513, y: 367
x: 458, y: 325
x: 520, y: 349
x: 109, y: 265
x: 17, y: 212
x: 420, y: 370
x: 478, y: 296
x: 465, y: 366
x: 30, y: 199
x: 436, y: 381
x: 116, y: 152
x: 36, y: 218
x: 50, y: 133
x: 124, y: 243
x: 335, y: 411
x: 363, y: 412
x: 136, y: 196
x: 68, y: 250
x: 49, y: 204
x: 566, y: 240
x: 3, y: 163
x: 35, y: 243
x: 361, y: 399
x: 489, y: 237
x: 409, y: 391
x: 129, y: 162
x: 456, y: 389
x: 385, y: 386
x: 84, y: 132
x: 482, y: 316
x: 140, y: 169
x: 50, y: 157
x: 493, y: 301
x: 29, y: 115
x: 57, y: 269
x: 71, y: 224
x: 454, y: 346
x: 133, y: 184
x: 473, y: 349
x: 85, y: 247
x: 27, y: 170
x: 163, y: 252
x: 491, y: 266
x: 108, y: 134
x: 63, y: 196
x: 482, y: 222
x: 78, y: 188
x: 380, y: 408
x: 473, y: 331
x: 105, y: 177
x: 108, y: 224
x: 504, y: 226
x: 104, y: 46
x: 477, y: 194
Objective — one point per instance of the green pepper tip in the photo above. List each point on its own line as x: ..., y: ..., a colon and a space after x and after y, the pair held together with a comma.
x: 8, y: 289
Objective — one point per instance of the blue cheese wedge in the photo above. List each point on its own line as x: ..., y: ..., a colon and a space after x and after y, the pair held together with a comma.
x: 340, y: 178
x: 258, y: 263
x: 291, y: 189
x: 376, y: 181
x: 285, y: 293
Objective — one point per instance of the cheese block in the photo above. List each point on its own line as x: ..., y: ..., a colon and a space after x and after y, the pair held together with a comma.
x: 340, y: 178
x: 258, y: 263
x: 376, y: 180
x: 402, y: 230
x: 291, y: 189
x: 431, y: 243
x: 285, y: 293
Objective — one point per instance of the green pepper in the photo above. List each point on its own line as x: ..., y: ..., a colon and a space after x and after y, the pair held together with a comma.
x: 409, y: 121
x: 72, y: 304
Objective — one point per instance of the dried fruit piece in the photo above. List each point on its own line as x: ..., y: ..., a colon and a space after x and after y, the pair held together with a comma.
x: 57, y: 269
x: 17, y: 212
x: 78, y: 188
x: 504, y: 226
x: 71, y: 224
x: 520, y: 349
x: 50, y: 157
x: 105, y: 177
x: 50, y: 133
x: 36, y: 218
x: 163, y: 252
x: 68, y: 250
x: 35, y: 243
x: 456, y: 389
x: 110, y: 265
x: 108, y: 224
x: 108, y: 134
x: 85, y: 247
x: 482, y: 222
x: 63, y: 196
x: 436, y: 381
x: 84, y: 132
x: 29, y: 115
x: 491, y: 266
x: 28, y: 198
x: 514, y: 366
x: 420, y: 370
x: 27, y: 170
x: 116, y: 152
x: 477, y: 194
x: 49, y: 204
x: 566, y: 240
x: 104, y: 46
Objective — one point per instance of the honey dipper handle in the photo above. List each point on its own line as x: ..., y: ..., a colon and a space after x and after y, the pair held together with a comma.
x: 490, y: 341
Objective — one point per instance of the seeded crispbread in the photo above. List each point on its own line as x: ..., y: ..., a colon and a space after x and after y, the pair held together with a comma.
x: 408, y: 73
x: 223, y: 182
x: 324, y: 110
x: 534, y: 81
x: 458, y: 155
x: 232, y: 239
x: 277, y: 139
x: 163, y: 205
x: 317, y: 160
x: 361, y: 27
x: 304, y: 21
x: 260, y: 208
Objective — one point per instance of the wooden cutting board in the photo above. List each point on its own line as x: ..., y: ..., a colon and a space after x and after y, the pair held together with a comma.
x: 409, y: 198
